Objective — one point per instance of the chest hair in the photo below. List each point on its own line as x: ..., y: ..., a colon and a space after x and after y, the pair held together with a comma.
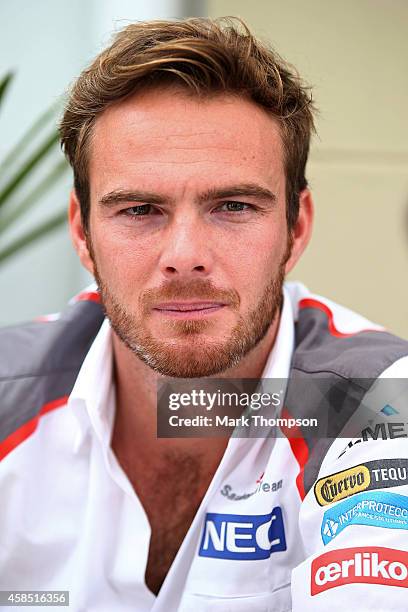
x: 170, y: 490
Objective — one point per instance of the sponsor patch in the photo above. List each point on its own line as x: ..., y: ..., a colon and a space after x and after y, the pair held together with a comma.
x: 379, y: 474
x: 242, y: 537
x: 371, y: 565
x: 389, y: 410
x: 260, y: 487
x: 379, y: 431
x: 377, y: 509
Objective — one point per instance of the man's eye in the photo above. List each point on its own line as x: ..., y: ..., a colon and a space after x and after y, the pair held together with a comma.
x: 234, y: 207
x: 138, y: 211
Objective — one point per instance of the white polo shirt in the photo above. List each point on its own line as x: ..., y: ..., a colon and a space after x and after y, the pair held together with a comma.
x: 122, y: 529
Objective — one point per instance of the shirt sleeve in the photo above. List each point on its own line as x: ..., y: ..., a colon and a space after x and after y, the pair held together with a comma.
x: 354, y: 524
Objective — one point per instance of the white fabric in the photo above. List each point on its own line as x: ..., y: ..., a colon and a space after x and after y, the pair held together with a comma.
x: 71, y: 520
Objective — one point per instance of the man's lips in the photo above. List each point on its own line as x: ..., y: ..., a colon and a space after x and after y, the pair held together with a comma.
x: 188, y: 309
x: 186, y: 306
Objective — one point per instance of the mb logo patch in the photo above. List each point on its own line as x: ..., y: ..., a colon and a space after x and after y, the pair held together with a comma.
x: 243, y: 537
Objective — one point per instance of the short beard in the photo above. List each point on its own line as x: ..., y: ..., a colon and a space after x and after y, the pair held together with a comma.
x: 198, y: 358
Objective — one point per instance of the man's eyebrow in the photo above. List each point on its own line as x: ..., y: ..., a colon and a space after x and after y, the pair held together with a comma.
x: 247, y: 189
x: 116, y: 197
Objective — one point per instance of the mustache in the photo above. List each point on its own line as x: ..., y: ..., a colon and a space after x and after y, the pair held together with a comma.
x: 196, y: 289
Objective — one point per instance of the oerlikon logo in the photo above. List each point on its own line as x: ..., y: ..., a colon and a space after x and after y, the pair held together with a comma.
x: 371, y: 564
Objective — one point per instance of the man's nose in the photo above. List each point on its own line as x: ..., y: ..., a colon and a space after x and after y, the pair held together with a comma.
x: 187, y: 249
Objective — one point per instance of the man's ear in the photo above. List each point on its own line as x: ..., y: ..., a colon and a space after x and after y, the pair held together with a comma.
x: 78, y: 235
x: 302, y: 230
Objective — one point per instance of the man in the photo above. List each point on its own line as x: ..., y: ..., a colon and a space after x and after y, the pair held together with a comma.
x: 188, y: 142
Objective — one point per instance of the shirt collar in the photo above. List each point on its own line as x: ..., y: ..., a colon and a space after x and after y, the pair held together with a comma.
x: 279, y: 359
x: 93, y: 392
x: 92, y: 398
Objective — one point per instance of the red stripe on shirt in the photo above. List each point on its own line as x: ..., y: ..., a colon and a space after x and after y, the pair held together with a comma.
x: 299, y: 449
x: 24, y: 431
x: 312, y: 303
x: 88, y: 296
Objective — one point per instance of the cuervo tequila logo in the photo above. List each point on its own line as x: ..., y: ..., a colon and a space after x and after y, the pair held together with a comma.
x: 377, y: 474
x: 341, y: 485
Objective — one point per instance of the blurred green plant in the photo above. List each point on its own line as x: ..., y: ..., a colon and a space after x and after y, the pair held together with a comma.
x: 19, y: 171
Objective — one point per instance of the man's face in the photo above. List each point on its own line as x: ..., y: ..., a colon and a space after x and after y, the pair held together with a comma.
x: 187, y: 231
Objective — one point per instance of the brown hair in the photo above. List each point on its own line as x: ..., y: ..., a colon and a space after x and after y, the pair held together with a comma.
x: 206, y: 57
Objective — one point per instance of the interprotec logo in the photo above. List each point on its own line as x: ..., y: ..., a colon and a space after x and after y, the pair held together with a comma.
x: 371, y: 564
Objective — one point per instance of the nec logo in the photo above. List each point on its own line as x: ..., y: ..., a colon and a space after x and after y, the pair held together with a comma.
x: 234, y: 536
x: 371, y: 565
